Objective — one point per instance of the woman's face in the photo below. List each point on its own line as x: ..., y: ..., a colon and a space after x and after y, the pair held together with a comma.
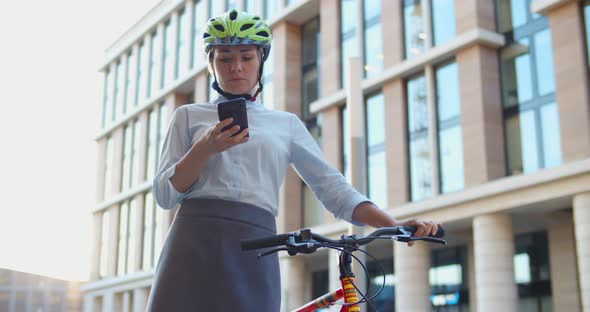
x: 236, y: 68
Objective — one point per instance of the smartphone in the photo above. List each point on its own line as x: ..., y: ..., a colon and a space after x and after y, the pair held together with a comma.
x: 235, y: 109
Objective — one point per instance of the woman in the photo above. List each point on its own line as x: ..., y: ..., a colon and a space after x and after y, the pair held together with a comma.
x: 228, y: 186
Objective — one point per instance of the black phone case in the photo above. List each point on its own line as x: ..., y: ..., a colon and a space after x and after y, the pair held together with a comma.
x: 235, y: 109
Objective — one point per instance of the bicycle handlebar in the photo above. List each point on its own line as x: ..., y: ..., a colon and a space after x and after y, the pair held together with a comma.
x: 305, y: 236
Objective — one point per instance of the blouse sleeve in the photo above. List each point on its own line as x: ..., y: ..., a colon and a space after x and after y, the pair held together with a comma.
x: 327, y: 183
x: 176, y: 145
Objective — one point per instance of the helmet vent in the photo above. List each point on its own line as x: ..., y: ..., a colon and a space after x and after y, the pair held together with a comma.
x: 246, y: 27
x: 256, y: 18
x: 206, y: 35
x: 233, y: 15
x: 262, y: 34
x: 219, y: 27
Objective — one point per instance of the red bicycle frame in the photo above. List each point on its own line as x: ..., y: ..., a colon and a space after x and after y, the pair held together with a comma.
x: 347, y: 292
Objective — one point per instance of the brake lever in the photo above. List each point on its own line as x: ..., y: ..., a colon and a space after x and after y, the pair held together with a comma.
x: 264, y: 254
x: 409, y: 238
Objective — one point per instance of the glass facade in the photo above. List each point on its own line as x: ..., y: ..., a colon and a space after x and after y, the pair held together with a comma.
x: 154, y: 64
x: 528, y: 90
x: 418, y: 136
x: 348, y: 38
x: 311, y: 44
x: 271, y: 9
x: 104, y: 243
x: 152, y: 137
x: 268, y: 89
x: 133, y: 170
x: 108, y: 167
x: 376, y: 167
x: 167, y: 54
x: 252, y: 7
x: 129, y: 70
x: 148, y: 232
x: 386, y: 300
x: 106, y: 102
x: 373, y: 45
x: 116, y: 91
x: 448, y: 278
x: 216, y: 7
x: 443, y: 21
x: 532, y: 273
x: 414, y: 35
x: 199, y: 18
x: 181, y: 47
x: 123, y: 242
x: 450, y: 138
x: 127, y: 150
x: 140, y: 78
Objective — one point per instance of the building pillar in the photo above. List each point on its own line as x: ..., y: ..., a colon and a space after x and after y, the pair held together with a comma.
x: 95, y: 256
x: 330, y: 51
x: 294, y: 282
x: 202, y: 87
x: 472, y: 14
x: 471, y: 276
x: 582, y: 232
x: 570, y: 63
x: 287, y: 55
x: 562, y: 261
x: 481, y: 115
x: 393, y: 35
x: 139, y: 221
x: 411, y: 266
x: 494, y: 267
x: 140, y: 299
x: 108, y: 302
x: 113, y: 241
x: 396, y: 143
x: 332, y: 145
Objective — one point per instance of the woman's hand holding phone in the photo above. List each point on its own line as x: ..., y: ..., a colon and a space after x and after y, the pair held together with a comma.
x: 217, y: 141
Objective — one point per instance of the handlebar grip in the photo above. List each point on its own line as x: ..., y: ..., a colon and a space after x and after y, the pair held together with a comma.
x: 439, y: 233
x: 259, y: 243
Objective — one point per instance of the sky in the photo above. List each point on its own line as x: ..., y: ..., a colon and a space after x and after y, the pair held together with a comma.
x: 50, y: 99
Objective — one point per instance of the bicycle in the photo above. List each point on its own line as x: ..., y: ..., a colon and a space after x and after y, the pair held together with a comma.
x: 307, y: 242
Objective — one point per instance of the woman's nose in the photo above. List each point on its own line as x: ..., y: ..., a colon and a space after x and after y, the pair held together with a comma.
x: 236, y: 67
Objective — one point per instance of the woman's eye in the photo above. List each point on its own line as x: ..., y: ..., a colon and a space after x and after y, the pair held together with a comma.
x: 247, y: 59
x: 226, y: 60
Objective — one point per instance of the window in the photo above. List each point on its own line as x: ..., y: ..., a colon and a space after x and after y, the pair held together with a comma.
x: 373, y: 44
x: 151, y: 161
x: 104, y: 243
x: 199, y: 18
x: 311, y: 47
x: 108, y: 168
x: 414, y: 35
x: 154, y: 64
x: 443, y: 21
x: 532, y: 273
x: 123, y: 238
x: 312, y: 207
x: 216, y: 8
x: 230, y: 4
x: 450, y: 140
x: 129, y: 70
x: 142, y: 57
x: 167, y: 50
x: 386, y: 300
x: 106, y: 102
x: 376, y: 168
x: 180, y: 66
x: 252, y: 7
x: 127, y: 150
x: 348, y: 39
x: 448, y: 276
x: 345, y: 143
x: 267, y: 90
x: 212, y: 93
x: 131, y: 237
x: 528, y: 90
x: 418, y: 136
x: 270, y: 9
x: 133, y: 176
x: 148, y: 232
x: 117, y: 91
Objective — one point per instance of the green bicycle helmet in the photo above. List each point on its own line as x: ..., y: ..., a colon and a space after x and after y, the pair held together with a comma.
x: 237, y: 28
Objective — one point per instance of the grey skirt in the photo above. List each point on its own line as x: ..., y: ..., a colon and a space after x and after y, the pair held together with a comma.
x: 202, y: 268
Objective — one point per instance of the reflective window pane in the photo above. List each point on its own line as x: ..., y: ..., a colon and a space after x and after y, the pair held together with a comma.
x: 377, y: 171
x: 373, y: 50
x: 349, y: 49
x: 451, y: 159
x: 122, y: 242
x: 587, y: 27
x: 544, y: 62
x: 551, y: 137
x: 517, y: 79
x: 199, y: 18
x: 181, y: 49
x: 417, y: 108
x: 131, y: 236
x: 348, y: 15
x: 270, y: 9
x: 140, y: 81
x: 418, y: 132
x: 414, y: 35
x: 148, y: 231
x: 154, y: 64
x: 216, y: 7
x: 447, y: 92
x: 167, y: 54
x: 443, y: 21
x: 420, y: 178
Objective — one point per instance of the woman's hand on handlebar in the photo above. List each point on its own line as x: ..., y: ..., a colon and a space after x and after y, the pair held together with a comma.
x: 424, y: 228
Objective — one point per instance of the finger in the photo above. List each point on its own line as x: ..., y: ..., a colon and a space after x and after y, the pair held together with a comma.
x: 238, y: 138
x: 434, y: 229
x: 229, y: 132
x: 410, y: 244
x: 222, y: 124
x: 421, y: 228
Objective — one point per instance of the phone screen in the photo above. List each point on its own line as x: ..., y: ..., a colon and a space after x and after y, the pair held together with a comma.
x: 235, y: 109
